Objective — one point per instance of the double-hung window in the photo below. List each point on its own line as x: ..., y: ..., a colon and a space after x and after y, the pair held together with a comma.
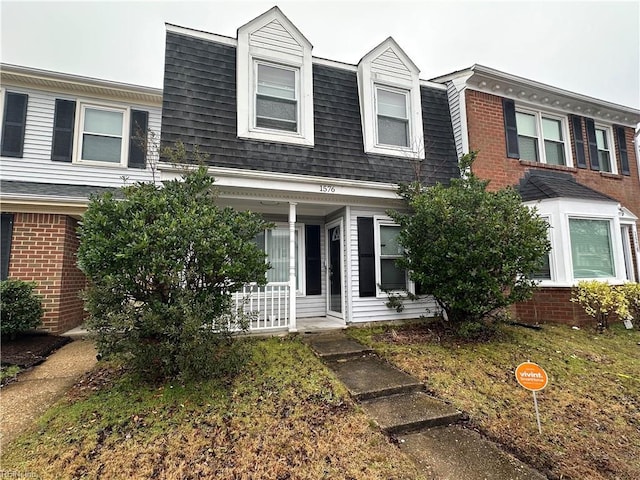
x: 541, y: 138
x: 591, y: 248
x: 275, y: 243
x: 390, y: 276
x: 276, y: 104
x: 392, y: 117
x: 604, y: 149
x: 102, y: 134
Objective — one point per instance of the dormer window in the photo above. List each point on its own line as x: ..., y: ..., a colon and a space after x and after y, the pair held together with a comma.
x: 393, y: 118
x: 276, y: 104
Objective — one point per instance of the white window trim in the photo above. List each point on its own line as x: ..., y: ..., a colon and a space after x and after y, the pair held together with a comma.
x: 553, y: 270
x: 407, y: 96
x: 608, y: 131
x: 247, y: 54
x: 616, y: 246
x: 380, y: 221
x: 301, y: 276
x: 81, y: 107
x: 564, y: 125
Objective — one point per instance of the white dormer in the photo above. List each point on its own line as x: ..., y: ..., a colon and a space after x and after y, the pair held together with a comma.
x: 390, y: 106
x: 274, y: 81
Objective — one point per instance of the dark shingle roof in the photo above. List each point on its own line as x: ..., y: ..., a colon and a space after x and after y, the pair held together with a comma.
x: 199, y: 109
x: 51, y: 189
x: 541, y: 184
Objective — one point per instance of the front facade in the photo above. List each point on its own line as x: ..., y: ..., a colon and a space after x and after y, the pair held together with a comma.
x: 64, y: 137
x: 570, y: 156
x: 316, y: 146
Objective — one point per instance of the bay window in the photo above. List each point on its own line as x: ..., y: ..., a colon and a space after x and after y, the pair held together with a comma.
x: 591, y: 248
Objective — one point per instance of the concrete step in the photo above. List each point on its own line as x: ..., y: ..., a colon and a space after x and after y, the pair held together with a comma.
x: 335, y: 346
x: 369, y: 377
x: 457, y: 453
x: 408, y: 412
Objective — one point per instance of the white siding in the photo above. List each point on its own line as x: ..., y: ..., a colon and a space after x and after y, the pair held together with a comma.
x: 456, y: 120
x: 390, y: 65
x: 274, y: 36
x: 36, y: 164
x: 370, y: 309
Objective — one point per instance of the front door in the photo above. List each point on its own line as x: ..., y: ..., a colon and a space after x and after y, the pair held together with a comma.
x: 334, y: 269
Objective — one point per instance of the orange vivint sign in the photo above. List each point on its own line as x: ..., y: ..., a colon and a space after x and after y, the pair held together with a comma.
x: 531, y: 376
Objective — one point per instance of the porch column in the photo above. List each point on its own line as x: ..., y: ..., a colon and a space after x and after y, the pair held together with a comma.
x: 292, y: 267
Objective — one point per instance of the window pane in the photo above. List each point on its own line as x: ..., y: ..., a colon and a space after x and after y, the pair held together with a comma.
x: 277, y: 109
x: 544, y: 273
x: 389, y: 240
x: 528, y: 148
x: 552, y: 129
x: 605, y: 161
x: 392, y: 104
x: 392, y: 277
x: 103, y: 149
x: 393, y: 132
x: 526, y: 124
x: 276, y: 243
x: 554, y: 152
x: 276, y: 82
x: 103, y: 122
x: 591, y: 250
x: 601, y: 140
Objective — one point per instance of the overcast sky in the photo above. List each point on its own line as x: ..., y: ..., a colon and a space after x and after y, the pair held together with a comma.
x: 592, y: 48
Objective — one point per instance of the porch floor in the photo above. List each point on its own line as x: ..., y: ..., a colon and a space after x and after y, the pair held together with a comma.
x: 319, y: 324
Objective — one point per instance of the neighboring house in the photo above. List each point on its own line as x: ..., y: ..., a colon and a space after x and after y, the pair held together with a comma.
x: 318, y: 147
x: 64, y: 137
x: 571, y: 156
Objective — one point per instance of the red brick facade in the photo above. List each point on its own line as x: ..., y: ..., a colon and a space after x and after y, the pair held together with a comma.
x: 43, y: 250
x: 486, y: 131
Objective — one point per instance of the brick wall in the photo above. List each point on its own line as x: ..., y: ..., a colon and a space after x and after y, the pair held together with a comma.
x: 551, y: 304
x: 43, y: 250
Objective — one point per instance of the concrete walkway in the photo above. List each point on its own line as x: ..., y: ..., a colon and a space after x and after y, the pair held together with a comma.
x: 425, y: 426
x: 23, y: 401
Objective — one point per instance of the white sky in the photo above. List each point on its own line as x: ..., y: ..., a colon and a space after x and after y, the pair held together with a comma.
x: 592, y: 48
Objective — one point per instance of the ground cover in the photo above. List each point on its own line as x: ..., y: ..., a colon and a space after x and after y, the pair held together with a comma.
x: 590, y: 411
x: 25, y: 351
x: 284, y: 417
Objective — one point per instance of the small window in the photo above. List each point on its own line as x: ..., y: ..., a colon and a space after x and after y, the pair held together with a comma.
x: 604, y: 149
x: 553, y: 141
x: 391, y: 277
x: 544, y: 272
x: 527, y: 136
x: 547, y: 148
x: 591, y: 248
x: 276, y: 98
x: 393, y: 117
x: 102, y: 134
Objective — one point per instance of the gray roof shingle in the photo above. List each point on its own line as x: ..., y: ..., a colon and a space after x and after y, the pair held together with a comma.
x: 51, y: 189
x: 542, y: 184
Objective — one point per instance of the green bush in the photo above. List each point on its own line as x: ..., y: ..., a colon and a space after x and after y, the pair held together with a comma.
x: 163, y: 264
x: 20, y: 307
x: 631, y: 292
x: 474, y: 250
x: 600, y: 300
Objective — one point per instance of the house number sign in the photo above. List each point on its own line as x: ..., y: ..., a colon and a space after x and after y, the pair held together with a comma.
x: 328, y: 188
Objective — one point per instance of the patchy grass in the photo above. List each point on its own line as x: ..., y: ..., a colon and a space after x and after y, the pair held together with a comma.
x: 284, y: 417
x: 590, y: 411
x: 8, y: 373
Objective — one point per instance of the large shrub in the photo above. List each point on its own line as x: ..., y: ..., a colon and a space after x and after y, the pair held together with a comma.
x: 20, y: 307
x: 163, y: 263
x: 472, y: 249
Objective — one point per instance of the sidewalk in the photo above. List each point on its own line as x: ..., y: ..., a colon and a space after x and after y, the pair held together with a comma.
x: 425, y: 427
x: 23, y: 401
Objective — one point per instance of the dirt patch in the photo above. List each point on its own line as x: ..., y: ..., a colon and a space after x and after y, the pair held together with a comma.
x: 30, y: 349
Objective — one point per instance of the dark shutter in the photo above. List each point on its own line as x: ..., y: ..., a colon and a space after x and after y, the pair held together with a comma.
x: 313, y: 262
x: 622, y: 151
x: 6, y: 231
x: 366, y: 257
x: 578, y: 143
x: 138, y: 139
x: 15, y: 118
x: 593, y: 146
x: 63, y: 123
x: 510, y: 128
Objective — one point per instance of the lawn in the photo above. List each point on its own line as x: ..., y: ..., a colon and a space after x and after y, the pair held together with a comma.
x: 284, y: 417
x: 590, y: 411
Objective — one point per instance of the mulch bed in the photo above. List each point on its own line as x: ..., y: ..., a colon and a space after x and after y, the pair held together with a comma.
x: 30, y: 349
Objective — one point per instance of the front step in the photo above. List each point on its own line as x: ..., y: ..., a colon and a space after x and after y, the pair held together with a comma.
x: 336, y: 346
x: 409, y: 412
x: 369, y: 377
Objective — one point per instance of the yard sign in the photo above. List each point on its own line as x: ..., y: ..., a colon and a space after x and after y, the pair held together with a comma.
x: 532, y: 377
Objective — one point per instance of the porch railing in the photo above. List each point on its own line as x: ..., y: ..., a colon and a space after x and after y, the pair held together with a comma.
x: 266, y: 307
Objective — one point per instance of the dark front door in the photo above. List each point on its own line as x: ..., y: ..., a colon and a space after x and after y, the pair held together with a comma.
x: 334, y: 240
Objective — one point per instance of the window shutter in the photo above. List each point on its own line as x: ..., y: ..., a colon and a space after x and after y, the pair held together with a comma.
x: 366, y: 257
x: 63, y: 123
x: 313, y: 263
x: 138, y: 139
x: 510, y: 128
x: 6, y: 231
x: 593, y: 146
x: 581, y: 158
x: 15, y: 118
x: 622, y: 151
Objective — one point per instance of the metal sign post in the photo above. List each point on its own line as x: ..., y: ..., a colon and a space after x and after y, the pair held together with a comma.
x: 532, y: 377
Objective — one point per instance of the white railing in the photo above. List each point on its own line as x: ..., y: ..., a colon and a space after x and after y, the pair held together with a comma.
x: 267, y: 307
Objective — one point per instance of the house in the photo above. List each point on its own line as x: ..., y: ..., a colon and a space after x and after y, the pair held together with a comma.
x: 64, y: 137
x: 318, y: 147
x: 573, y: 158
